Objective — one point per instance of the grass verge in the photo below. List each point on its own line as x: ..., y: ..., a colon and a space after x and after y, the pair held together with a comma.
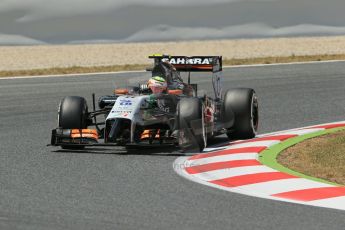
x: 320, y: 157
x: 116, y: 68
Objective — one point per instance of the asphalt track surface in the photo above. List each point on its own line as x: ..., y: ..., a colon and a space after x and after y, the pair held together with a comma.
x: 46, y: 188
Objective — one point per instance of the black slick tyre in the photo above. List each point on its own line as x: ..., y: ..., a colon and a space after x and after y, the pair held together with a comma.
x: 244, y: 104
x: 190, y: 118
x: 73, y: 114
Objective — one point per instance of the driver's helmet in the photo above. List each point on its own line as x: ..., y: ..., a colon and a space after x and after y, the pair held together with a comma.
x: 157, y: 84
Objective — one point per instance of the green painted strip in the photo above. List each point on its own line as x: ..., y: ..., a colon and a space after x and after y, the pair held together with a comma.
x: 269, y: 156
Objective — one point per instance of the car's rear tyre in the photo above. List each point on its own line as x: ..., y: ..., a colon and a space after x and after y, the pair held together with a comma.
x: 244, y: 104
x: 190, y: 117
x: 73, y: 114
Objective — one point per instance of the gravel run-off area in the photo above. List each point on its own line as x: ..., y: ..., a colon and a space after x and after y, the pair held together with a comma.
x: 49, y: 56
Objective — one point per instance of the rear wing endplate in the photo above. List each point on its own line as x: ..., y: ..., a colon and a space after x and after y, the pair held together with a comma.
x: 191, y: 64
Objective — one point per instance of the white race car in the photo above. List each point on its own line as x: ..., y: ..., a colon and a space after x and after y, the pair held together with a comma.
x: 178, y: 117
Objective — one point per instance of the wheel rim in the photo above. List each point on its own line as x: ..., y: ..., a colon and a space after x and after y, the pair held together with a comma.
x: 254, y: 113
x: 204, y: 137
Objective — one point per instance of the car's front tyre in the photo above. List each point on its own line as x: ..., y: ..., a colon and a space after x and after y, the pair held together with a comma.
x: 73, y: 114
x: 191, y: 121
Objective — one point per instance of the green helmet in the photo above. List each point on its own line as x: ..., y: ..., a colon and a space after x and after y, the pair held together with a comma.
x: 157, y: 84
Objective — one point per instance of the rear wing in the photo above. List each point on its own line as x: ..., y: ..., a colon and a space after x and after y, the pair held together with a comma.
x: 195, y: 64
x: 191, y: 64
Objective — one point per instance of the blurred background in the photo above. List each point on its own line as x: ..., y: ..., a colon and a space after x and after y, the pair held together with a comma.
x: 106, y: 21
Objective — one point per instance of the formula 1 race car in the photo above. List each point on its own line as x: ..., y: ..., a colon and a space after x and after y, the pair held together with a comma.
x: 131, y: 117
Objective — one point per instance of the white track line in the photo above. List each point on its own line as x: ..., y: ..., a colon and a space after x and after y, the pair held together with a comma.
x: 299, y: 132
x: 226, y: 173
x: 285, y: 185
x: 142, y: 71
x: 71, y: 75
x: 254, y: 144
x: 336, y: 202
x: 290, y: 131
x: 229, y: 157
x: 282, y: 64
